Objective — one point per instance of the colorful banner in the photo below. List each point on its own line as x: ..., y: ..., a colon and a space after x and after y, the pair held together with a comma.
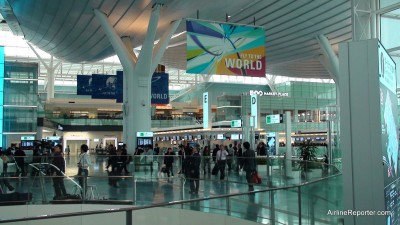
x: 83, y: 85
x: 159, y: 88
x: 225, y: 49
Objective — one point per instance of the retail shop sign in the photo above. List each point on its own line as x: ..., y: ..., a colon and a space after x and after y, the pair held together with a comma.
x: 268, y: 93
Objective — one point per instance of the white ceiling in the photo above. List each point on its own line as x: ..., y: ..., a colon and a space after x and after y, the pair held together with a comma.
x: 69, y: 30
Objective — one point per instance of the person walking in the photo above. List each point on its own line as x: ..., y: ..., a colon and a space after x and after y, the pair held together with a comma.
x: 221, y: 158
x: 19, y: 157
x: 249, y: 164
x: 3, y: 173
x: 194, y: 162
x: 206, y: 160
x: 168, y: 161
x: 58, y: 173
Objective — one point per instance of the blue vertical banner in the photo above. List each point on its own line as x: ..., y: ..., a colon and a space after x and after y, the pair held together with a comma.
x: 83, y: 85
x: 120, y: 87
x: 1, y: 93
x: 159, y: 88
x: 104, y: 86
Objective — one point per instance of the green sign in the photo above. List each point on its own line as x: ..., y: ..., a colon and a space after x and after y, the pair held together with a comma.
x: 236, y: 123
x: 273, y: 119
x: 144, y: 134
x: 27, y: 138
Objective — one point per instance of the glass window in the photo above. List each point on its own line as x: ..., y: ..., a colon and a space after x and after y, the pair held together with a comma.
x: 384, y: 3
x: 390, y: 35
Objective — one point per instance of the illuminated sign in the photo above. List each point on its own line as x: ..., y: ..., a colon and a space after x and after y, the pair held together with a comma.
x: 254, y: 111
x: 206, y: 111
x: 266, y: 93
x: 27, y: 138
x: 53, y: 138
x: 236, y: 123
x: 1, y: 93
x: 235, y: 136
x: 389, y: 132
x: 144, y: 134
x: 272, y: 119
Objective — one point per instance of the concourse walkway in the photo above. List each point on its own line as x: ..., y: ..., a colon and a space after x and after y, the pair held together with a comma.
x: 280, y: 198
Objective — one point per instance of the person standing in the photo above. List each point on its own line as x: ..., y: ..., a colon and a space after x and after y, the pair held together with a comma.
x: 3, y: 173
x: 126, y: 159
x: 68, y: 150
x: 249, y: 163
x: 194, y: 170
x: 263, y: 150
x: 168, y: 161
x: 112, y: 157
x: 206, y: 160
x: 181, y: 155
x: 221, y: 158
x: 239, y: 158
x: 156, y: 150
x: 19, y: 156
x: 83, y: 166
x: 58, y: 173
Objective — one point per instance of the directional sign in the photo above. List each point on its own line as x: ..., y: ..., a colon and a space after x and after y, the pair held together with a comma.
x: 236, y: 123
x: 272, y: 119
x: 144, y: 134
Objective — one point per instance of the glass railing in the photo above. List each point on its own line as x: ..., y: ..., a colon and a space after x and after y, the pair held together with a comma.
x: 291, y: 192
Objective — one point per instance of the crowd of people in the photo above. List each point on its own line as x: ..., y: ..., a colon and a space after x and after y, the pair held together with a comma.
x: 192, y: 160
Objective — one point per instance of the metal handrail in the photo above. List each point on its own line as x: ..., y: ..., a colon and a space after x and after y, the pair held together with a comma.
x: 134, y: 208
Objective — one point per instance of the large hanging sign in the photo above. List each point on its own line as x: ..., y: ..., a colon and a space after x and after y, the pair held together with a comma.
x: 225, y: 49
x: 159, y: 88
x: 83, y: 85
x: 104, y: 86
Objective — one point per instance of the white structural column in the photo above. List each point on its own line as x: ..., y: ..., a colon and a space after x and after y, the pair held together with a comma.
x: 363, y: 19
x: 139, y: 111
x: 49, y: 85
x: 137, y: 73
x: 127, y: 79
x: 288, y: 155
x: 332, y: 61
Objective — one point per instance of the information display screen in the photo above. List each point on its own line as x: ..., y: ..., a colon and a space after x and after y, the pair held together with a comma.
x: 220, y: 136
x: 235, y: 136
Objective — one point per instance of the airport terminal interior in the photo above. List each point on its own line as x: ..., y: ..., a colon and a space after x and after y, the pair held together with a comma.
x: 252, y: 111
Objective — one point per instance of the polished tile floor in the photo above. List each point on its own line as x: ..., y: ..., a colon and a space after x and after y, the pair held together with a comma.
x: 145, y: 186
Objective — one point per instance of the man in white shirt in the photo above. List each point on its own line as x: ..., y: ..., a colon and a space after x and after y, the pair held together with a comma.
x: 221, y: 158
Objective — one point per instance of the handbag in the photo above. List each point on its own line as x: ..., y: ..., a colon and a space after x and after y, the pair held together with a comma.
x: 256, y: 178
x: 164, y: 168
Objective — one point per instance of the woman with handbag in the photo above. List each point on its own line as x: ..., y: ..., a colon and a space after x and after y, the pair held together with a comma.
x: 249, y: 164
